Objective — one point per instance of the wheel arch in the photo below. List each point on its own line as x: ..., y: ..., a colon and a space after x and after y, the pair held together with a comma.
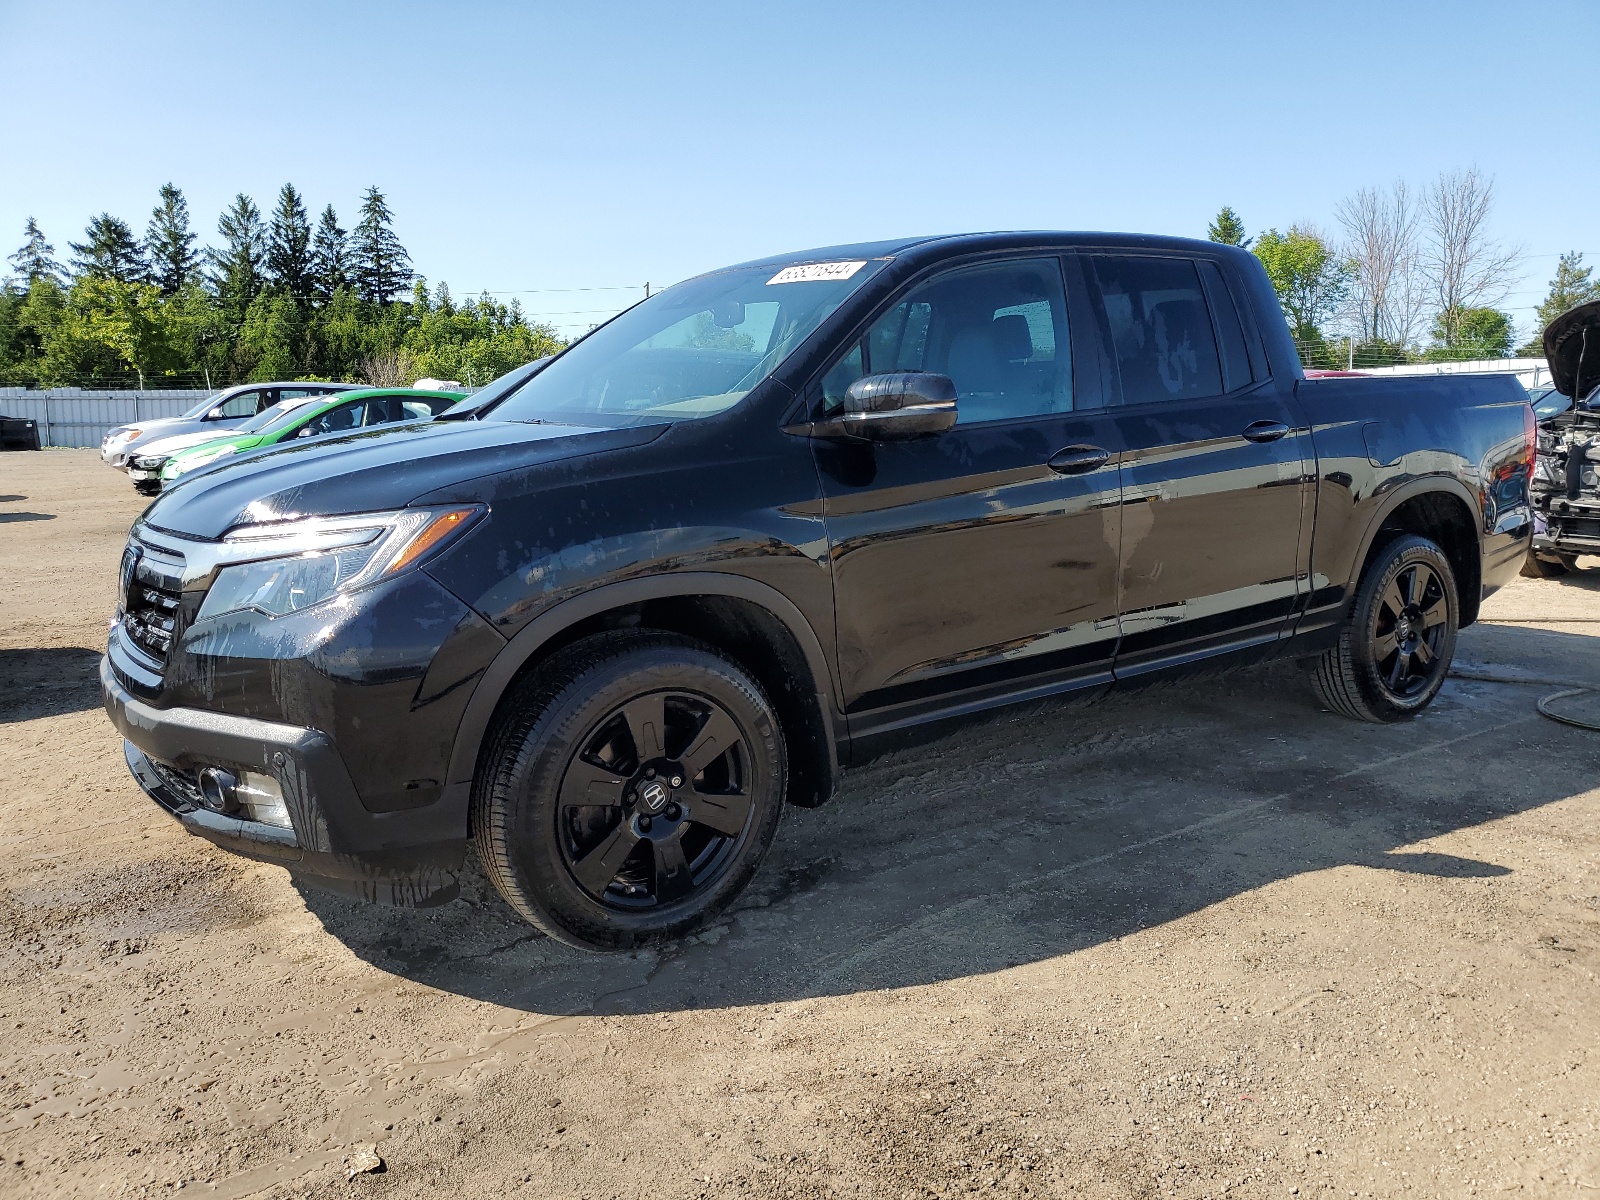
x: 692, y: 603
x: 1442, y: 509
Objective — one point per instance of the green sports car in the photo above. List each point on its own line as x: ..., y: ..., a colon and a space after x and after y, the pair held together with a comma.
x: 310, y: 416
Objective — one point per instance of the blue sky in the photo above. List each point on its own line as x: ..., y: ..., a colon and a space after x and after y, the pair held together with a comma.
x: 530, y: 147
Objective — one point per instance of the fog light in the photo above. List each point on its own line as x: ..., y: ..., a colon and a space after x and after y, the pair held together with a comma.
x: 262, y: 799
x: 218, y: 790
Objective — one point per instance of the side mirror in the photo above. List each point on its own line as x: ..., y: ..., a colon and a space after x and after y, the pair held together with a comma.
x: 898, y: 405
x: 215, y: 414
x: 308, y: 431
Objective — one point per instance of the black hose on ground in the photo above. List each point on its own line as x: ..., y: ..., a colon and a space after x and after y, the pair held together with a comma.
x: 1544, y: 709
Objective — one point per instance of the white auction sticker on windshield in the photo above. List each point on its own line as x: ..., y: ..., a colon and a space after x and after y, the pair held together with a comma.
x: 812, y: 272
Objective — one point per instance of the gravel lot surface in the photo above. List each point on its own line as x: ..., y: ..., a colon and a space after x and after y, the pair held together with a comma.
x: 1197, y: 941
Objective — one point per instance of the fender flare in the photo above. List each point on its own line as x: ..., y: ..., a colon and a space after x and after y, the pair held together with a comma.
x: 525, y: 644
x: 1420, y: 485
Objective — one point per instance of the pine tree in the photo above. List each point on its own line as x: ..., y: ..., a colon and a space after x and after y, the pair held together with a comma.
x: 237, y: 267
x: 109, y: 251
x: 289, y: 246
x: 1570, y: 288
x: 330, y: 269
x: 36, y: 259
x: 1228, y: 229
x: 169, y: 243
x: 382, y: 266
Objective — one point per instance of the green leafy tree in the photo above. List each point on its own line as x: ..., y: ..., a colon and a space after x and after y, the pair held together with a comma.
x: 1228, y: 229
x: 330, y: 265
x: 289, y: 259
x: 36, y: 259
x: 109, y: 251
x: 31, y: 318
x: 474, y: 341
x: 272, y: 338
x: 1308, y: 276
x: 1470, y: 333
x: 201, y: 335
x: 237, y: 267
x: 169, y: 243
x: 112, y: 331
x: 381, y: 265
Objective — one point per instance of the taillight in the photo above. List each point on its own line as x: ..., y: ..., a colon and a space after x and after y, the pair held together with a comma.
x: 1530, y: 433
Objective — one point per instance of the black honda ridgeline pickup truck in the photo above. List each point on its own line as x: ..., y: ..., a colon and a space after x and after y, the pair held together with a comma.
x: 605, y: 619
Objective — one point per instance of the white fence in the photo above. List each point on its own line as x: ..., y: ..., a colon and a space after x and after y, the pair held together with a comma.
x: 1530, y: 372
x: 81, y: 416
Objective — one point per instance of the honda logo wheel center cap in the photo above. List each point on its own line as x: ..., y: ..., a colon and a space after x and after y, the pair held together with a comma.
x: 653, y: 796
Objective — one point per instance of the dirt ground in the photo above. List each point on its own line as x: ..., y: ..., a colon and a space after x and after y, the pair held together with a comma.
x: 1197, y: 941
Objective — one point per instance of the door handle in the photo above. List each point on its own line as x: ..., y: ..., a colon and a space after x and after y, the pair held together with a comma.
x: 1075, y: 460
x: 1264, y: 431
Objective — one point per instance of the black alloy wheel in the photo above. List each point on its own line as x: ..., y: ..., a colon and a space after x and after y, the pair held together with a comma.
x: 655, y: 801
x: 1395, y: 648
x: 629, y: 789
x: 1409, y: 629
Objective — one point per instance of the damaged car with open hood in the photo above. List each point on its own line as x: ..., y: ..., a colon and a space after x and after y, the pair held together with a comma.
x: 1566, y: 483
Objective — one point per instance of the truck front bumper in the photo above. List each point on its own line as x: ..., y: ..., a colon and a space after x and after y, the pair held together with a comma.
x: 409, y: 858
x: 1573, y: 529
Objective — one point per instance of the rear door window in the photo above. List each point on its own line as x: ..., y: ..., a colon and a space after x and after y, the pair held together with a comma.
x: 1160, y: 328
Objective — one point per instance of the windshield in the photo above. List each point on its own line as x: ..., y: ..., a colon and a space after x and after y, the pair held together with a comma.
x: 693, y: 350
x: 1547, y: 402
x: 277, y: 416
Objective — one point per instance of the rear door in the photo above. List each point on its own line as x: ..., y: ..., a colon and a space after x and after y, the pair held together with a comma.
x: 1214, y: 488
x: 968, y: 568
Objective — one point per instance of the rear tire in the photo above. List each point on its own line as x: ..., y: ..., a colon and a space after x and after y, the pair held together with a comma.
x: 1534, y: 567
x: 630, y: 789
x: 1397, y: 642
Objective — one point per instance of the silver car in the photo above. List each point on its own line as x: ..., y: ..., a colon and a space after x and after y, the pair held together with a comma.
x: 214, y: 415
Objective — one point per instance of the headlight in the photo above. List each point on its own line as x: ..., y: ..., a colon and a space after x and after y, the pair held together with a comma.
x: 121, y: 435
x: 148, y: 462
x: 193, y: 464
x: 302, y: 563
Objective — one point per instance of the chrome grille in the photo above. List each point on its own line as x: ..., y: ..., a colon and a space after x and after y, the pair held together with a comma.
x: 151, y: 582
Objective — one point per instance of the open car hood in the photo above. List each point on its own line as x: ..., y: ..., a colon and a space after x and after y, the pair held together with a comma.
x: 1572, y: 336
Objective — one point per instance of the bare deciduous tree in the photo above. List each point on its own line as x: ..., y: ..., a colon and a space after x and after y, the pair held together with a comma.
x: 1383, y: 244
x: 387, y: 370
x: 1465, y: 267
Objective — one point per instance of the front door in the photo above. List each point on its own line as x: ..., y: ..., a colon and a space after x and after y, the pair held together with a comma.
x: 1214, y: 495
x: 967, y: 568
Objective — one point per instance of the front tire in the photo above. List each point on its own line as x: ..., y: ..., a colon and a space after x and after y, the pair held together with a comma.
x: 1397, y: 642
x: 1534, y: 567
x: 631, y: 787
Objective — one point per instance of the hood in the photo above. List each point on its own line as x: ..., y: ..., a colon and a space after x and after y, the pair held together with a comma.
x: 369, y: 472
x: 154, y: 426
x: 239, y: 441
x: 182, y: 441
x: 1572, y: 336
